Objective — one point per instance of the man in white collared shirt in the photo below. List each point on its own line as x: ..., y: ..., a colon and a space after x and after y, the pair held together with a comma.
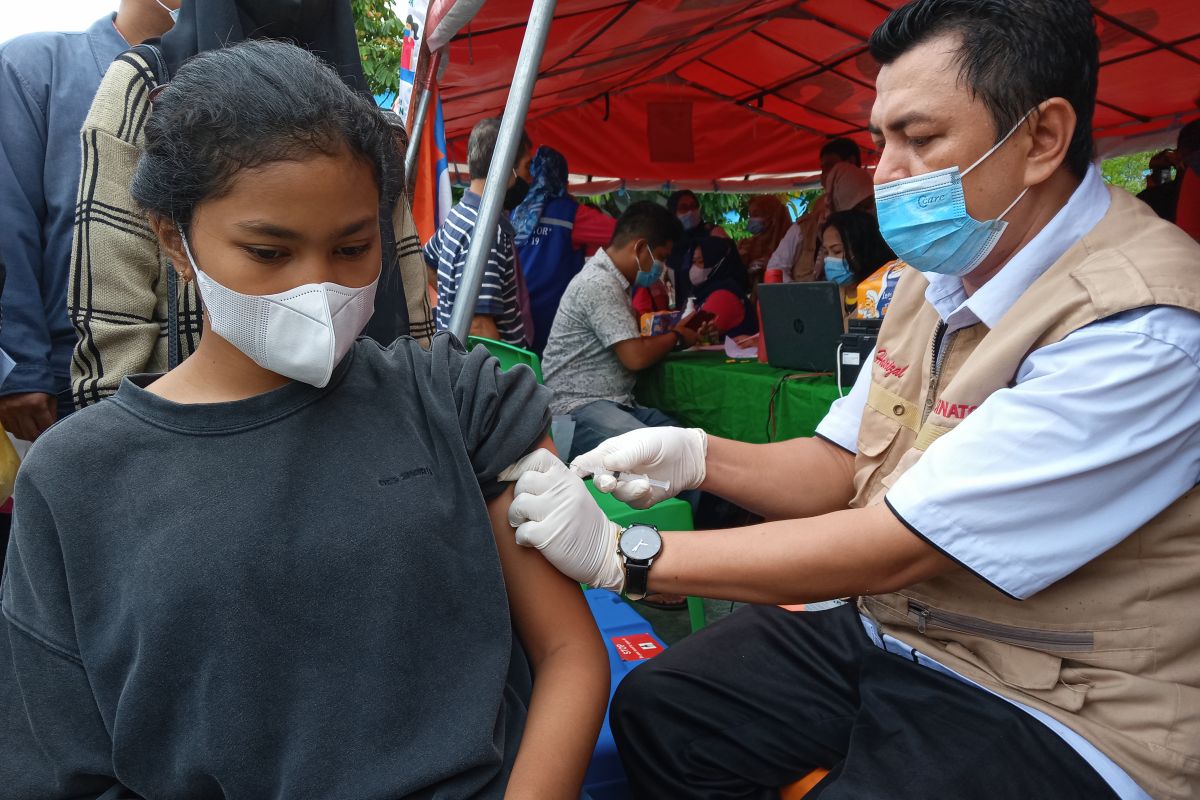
x: 1009, y: 492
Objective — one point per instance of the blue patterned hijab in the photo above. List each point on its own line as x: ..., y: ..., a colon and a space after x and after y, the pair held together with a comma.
x: 549, y: 171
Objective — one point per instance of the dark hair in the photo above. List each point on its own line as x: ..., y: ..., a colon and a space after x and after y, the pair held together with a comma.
x: 482, y: 144
x: 1189, y: 138
x: 1014, y: 54
x: 865, y: 249
x: 845, y: 149
x: 243, y: 106
x: 676, y: 196
x: 650, y: 221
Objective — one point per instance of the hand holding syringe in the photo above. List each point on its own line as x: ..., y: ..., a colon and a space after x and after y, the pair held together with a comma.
x: 605, y: 481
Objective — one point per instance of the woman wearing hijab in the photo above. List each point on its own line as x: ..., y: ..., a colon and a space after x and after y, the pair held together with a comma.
x: 719, y: 284
x: 554, y: 234
x: 767, y: 221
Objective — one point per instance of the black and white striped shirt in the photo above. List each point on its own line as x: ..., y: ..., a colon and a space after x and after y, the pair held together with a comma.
x: 498, y: 294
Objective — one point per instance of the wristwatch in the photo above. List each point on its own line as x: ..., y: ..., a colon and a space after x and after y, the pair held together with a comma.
x: 680, y: 342
x: 638, y: 545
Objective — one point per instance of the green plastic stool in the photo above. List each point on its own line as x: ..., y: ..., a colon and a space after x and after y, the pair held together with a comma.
x: 669, y: 515
x: 509, y: 355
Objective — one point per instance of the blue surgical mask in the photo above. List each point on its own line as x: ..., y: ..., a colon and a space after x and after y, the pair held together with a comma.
x: 755, y: 225
x: 647, y: 278
x: 924, y: 219
x: 837, y: 270
x: 690, y: 219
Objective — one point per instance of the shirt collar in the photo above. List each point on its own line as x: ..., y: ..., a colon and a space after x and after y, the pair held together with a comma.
x: 605, y: 263
x: 472, y: 200
x: 1084, y: 209
x: 106, y: 41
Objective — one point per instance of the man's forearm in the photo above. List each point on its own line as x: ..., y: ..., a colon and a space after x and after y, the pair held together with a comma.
x: 851, y: 552
x: 784, y: 480
x: 485, y: 326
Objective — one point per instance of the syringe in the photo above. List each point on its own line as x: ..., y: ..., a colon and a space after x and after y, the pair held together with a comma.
x: 627, y: 477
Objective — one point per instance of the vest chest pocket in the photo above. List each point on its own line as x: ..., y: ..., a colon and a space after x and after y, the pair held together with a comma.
x: 888, y: 426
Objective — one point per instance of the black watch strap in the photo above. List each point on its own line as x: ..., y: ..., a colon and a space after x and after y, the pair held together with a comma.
x: 680, y: 342
x: 637, y: 575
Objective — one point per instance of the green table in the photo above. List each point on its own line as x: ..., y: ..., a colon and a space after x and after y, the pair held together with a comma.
x: 735, y: 399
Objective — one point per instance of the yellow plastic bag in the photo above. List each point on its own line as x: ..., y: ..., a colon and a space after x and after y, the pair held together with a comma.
x: 9, y: 461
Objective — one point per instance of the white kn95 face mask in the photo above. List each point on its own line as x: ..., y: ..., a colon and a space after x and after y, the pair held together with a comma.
x: 302, y: 333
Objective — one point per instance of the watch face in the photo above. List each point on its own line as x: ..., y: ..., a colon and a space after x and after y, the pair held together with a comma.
x: 640, y: 542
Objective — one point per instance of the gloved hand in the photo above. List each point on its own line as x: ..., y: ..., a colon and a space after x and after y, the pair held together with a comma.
x: 554, y: 512
x: 673, y: 455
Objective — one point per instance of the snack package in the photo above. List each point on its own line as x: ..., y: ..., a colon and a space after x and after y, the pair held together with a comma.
x: 657, y: 322
x: 875, y: 293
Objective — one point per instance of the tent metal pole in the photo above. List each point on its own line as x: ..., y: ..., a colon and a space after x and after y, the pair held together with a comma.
x: 504, y: 157
x: 418, y: 125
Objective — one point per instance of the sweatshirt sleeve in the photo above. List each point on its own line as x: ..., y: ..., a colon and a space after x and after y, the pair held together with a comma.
x: 51, y: 714
x: 502, y: 414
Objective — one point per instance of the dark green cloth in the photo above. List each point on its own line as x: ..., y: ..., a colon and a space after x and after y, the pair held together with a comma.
x: 735, y: 399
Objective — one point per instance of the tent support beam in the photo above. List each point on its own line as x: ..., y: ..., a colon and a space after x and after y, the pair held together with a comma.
x: 418, y: 125
x: 503, y: 158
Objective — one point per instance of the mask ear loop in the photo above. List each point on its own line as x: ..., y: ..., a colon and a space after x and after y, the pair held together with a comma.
x: 174, y: 352
x: 1000, y: 143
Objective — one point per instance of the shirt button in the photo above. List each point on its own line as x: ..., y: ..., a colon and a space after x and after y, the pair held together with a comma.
x: 898, y: 410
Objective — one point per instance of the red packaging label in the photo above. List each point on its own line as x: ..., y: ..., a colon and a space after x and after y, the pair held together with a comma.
x: 636, y: 647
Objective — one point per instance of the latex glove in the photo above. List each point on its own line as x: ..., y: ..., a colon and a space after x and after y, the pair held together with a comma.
x: 554, y: 512
x: 673, y: 455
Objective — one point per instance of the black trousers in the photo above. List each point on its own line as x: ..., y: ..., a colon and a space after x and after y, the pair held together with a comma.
x: 762, y: 697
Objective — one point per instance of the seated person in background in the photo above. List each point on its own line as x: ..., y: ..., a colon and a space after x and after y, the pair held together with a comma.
x: 768, y: 222
x: 498, y: 309
x: 554, y: 234
x: 854, y: 252
x: 797, y: 251
x: 1164, y: 197
x: 311, y: 588
x: 686, y: 207
x: 595, y: 351
x: 719, y: 284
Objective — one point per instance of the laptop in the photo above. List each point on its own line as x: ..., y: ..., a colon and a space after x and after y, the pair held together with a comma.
x: 802, y: 324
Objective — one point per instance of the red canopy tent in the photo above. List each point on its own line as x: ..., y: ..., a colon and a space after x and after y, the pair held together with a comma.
x: 712, y: 95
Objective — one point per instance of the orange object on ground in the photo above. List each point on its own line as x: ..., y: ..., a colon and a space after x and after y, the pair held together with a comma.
x: 803, y: 786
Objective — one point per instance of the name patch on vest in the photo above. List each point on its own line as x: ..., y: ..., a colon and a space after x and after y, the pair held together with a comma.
x: 888, y: 366
x: 953, y: 410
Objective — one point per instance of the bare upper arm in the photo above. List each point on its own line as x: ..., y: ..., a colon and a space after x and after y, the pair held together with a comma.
x: 548, y: 608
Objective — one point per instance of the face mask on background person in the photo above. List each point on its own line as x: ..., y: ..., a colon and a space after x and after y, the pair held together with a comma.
x: 302, y: 333
x: 690, y: 219
x: 647, y: 278
x: 837, y: 270
x: 698, y: 275
x: 755, y: 225
x: 924, y: 219
x: 516, y: 193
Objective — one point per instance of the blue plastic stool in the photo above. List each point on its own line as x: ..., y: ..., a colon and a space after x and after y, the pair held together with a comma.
x: 605, y: 778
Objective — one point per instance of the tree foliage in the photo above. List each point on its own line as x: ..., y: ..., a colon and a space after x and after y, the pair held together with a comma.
x: 380, y: 42
x: 1128, y: 172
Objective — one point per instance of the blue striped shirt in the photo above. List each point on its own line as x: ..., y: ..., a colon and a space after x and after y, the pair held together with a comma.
x: 498, y: 294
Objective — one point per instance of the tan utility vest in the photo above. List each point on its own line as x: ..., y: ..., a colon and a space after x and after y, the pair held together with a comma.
x: 1112, y: 650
